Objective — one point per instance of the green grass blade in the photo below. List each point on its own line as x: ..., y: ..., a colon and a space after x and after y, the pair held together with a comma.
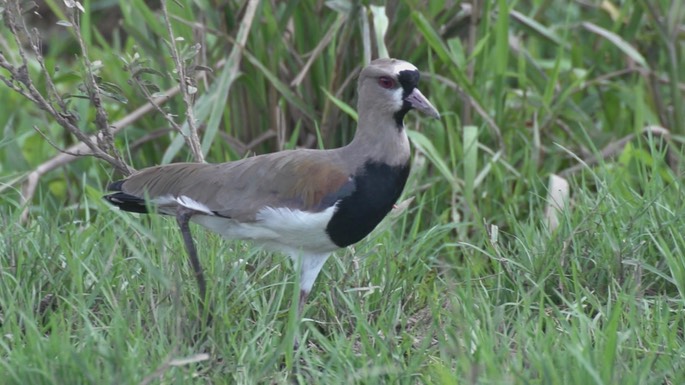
x: 617, y: 41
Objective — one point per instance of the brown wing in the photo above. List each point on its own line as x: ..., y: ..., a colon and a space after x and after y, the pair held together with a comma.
x: 301, y: 179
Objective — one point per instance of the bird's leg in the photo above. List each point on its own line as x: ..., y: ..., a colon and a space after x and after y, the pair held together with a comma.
x: 303, y: 299
x: 300, y: 308
x: 183, y: 216
x: 310, y: 266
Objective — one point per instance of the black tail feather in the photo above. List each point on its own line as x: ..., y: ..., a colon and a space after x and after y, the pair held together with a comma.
x: 116, y: 185
x: 123, y: 201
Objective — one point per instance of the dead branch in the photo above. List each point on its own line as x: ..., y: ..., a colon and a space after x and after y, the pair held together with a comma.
x: 82, y: 149
x: 51, y: 102
x: 192, y: 138
x: 89, y: 145
x: 106, y: 140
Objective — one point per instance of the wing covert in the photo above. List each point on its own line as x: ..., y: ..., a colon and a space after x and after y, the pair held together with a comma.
x: 309, y: 180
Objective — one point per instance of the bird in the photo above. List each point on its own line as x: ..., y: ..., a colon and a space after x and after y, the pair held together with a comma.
x: 306, y: 203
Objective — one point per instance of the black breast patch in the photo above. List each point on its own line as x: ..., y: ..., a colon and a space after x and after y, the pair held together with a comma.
x: 377, y: 188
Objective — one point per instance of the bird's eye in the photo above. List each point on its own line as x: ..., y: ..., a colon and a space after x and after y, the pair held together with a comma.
x: 386, y: 82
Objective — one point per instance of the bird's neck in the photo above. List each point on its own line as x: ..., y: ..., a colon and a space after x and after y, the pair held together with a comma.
x: 382, y: 142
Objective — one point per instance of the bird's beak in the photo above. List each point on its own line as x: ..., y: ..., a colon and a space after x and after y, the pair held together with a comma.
x: 420, y: 103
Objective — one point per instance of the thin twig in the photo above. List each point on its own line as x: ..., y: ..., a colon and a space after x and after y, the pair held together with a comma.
x: 151, y: 101
x: 192, y: 138
x: 52, y: 143
x: 106, y: 139
x: 21, y: 74
x: 81, y: 149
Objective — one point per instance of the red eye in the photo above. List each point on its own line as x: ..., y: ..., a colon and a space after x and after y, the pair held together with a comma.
x: 386, y: 82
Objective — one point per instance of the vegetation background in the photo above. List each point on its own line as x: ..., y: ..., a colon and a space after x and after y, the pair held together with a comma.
x: 480, y: 279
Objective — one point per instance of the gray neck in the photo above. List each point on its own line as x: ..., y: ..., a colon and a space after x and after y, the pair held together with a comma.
x: 378, y: 139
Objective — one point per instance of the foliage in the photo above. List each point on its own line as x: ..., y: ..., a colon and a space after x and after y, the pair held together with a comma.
x: 468, y: 284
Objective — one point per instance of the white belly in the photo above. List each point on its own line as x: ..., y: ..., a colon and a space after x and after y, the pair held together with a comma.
x: 291, y: 231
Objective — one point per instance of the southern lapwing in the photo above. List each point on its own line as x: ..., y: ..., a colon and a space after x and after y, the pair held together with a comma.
x: 305, y: 203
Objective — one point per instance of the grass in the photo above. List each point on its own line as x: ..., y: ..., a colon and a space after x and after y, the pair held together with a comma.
x: 466, y: 285
x: 596, y: 302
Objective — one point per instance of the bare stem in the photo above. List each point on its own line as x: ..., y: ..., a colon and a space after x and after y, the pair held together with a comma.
x: 50, y: 101
x: 21, y: 82
x: 192, y: 137
x: 101, y: 120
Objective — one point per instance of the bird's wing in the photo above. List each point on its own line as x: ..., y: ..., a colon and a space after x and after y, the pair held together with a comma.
x: 308, y: 180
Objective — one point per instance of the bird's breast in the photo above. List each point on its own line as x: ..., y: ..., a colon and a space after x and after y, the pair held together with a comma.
x: 377, y: 188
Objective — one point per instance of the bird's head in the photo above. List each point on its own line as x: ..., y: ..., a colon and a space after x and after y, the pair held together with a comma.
x: 389, y: 87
